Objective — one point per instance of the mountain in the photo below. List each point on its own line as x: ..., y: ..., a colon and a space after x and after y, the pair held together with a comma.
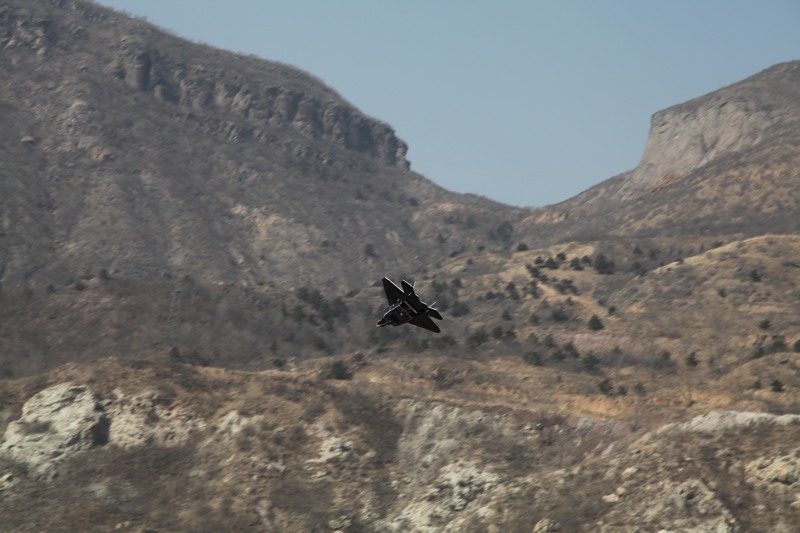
x: 138, y: 153
x: 190, y: 255
x: 723, y: 165
x: 138, y: 159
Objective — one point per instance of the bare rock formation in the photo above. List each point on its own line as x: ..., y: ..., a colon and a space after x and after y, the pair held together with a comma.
x: 56, y: 423
x: 731, y: 120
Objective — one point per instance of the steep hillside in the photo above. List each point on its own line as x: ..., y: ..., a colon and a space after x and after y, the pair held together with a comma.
x: 191, y: 244
x: 178, y: 448
x: 136, y: 152
x: 724, y: 164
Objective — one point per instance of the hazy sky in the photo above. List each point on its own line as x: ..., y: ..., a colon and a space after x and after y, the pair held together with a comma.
x: 525, y: 102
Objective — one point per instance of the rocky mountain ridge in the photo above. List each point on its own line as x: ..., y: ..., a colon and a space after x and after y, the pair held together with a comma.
x: 247, y: 104
x: 190, y: 249
x: 138, y: 153
x: 277, y: 452
x: 734, y: 119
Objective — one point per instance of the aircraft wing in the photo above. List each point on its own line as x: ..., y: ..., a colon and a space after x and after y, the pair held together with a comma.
x: 434, y: 313
x: 393, y: 292
x: 424, y: 321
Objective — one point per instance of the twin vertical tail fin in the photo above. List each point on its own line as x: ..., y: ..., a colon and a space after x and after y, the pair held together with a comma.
x: 408, y: 288
x: 433, y: 312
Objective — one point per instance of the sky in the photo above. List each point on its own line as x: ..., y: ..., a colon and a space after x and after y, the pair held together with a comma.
x: 526, y: 102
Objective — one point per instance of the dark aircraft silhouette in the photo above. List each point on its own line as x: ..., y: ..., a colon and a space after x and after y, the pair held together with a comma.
x: 406, y: 307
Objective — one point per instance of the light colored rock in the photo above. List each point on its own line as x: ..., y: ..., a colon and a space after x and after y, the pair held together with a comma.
x: 784, y: 469
x: 545, y: 525
x: 138, y: 420
x: 725, y: 420
x: 56, y: 423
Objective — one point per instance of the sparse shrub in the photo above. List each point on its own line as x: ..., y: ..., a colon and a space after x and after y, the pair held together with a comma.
x: 664, y: 362
x: 571, y: 350
x: 756, y: 385
x: 497, y: 332
x: 559, y: 314
x: 778, y: 343
x: 533, y: 288
x: 511, y: 289
x: 765, y: 324
x: 440, y: 379
x: 796, y: 345
x: 777, y: 385
x: 522, y: 247
x: 533, y: 357
x: 442, y: 342
x: 558, y: 354
x: 639, y: 388
x: 691, y: 360
x: 595, y: 324
x: 591, y: 362
x: 758, y: 352
x: 603, y: 265
x: 459, y: 308
x: 369, y: 250
x: 536, y: 271
x: 104, y: 275
x: 755, y: 276
x: 622, y: 390
x: 565, y: 286
x: 502, y: 232
x: 506, y: 315
x: 606, y: 387
x: 339, y: 370
x: 174, y: 354
x: 279, y: 362
x: 477, y: 338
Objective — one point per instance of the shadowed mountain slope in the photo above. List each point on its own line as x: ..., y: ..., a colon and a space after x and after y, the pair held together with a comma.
x: 130, y: 150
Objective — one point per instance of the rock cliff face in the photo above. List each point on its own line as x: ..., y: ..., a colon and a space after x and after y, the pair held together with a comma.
x: 731, y: 120
x: 283, y: 451
x: 137, y: 152
x: 248, y: 106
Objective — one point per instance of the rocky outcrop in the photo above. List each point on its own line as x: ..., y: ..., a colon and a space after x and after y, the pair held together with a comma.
x: 56, y: 423
x: 687, y: 136
x: 255, y: 107
x: 261, y: 103
x: 68, y: 418
x: 726, y: 420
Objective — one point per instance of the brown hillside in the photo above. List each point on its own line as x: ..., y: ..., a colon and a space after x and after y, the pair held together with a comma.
x: 191, y: 244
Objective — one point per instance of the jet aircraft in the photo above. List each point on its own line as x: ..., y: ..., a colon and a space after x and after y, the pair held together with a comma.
x: 406, y: 307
